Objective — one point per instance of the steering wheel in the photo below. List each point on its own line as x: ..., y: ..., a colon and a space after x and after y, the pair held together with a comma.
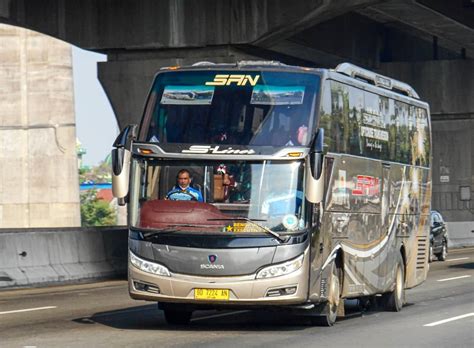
x: 168, y: 196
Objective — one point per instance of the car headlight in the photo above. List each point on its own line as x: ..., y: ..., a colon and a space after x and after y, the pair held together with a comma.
x: 280, y: 269
x: 149, y: 267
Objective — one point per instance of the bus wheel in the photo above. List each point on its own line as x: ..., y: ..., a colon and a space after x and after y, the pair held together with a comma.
x: 174, y: 317
x: 334, y: 299
x: 395, y: 299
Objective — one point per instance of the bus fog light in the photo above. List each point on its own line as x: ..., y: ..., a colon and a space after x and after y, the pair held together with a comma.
x: 146, y: 287
x: 149, y: 267
x: 288, y: 290
x: 280, y: 269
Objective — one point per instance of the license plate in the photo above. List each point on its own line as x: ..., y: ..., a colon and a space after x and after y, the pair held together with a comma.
x: 211, y: 294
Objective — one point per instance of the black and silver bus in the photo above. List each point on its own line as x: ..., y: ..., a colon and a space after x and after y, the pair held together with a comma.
x: 314, y: 187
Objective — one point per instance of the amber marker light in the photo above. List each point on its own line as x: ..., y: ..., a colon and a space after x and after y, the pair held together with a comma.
x: 145, y: 151
x: 173, y: 67
x: 294, y: 154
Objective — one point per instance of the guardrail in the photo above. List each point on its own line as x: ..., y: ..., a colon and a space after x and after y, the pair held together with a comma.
x: 41, y: 256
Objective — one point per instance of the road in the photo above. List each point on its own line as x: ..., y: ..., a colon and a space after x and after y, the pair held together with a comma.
x: 439, y: 313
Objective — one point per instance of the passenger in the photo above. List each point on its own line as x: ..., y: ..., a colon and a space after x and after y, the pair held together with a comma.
x: 182, y: 191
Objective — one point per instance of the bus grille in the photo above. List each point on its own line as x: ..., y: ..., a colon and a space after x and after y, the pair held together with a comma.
x: 421, y: 256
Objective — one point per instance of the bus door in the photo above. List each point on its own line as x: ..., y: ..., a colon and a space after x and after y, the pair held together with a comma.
x: 352, y: 218
x: 364, y: 226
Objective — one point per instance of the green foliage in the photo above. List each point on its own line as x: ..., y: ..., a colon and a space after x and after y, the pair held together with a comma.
x: 96, y: 212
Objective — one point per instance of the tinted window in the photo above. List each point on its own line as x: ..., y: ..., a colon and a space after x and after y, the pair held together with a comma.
x: 366, y: 124
x: 231, y: 107
x: 420, y: 138
x: 374, y: 126
x: 440, y: 218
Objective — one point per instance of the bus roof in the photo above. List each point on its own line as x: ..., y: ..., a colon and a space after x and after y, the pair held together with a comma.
x: 344, y: 72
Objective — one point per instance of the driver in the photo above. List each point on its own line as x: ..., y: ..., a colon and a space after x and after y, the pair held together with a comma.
x: 182, y: 191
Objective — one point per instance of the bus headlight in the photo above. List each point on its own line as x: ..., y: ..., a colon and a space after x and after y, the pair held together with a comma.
x: 280, y: 269
x: 149, y: 267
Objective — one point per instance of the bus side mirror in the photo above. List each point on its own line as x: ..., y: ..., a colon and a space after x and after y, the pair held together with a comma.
x: 317, y: 155
x: 316, y: 164
x: 315, y: 177
x: 126, y: 136
x: 121, y: 163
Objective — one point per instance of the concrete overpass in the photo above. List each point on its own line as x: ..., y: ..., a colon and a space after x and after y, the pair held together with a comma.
x: 427, y: 43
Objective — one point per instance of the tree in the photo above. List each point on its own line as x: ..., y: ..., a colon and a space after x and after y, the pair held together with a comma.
x: 96, y: 212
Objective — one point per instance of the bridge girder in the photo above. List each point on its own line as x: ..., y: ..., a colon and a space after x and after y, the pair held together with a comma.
x: 108, y: 26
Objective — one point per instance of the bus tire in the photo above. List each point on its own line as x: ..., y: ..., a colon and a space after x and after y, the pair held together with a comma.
x: 334, y: 299
x: 174, y: 317
x: 395, y: 299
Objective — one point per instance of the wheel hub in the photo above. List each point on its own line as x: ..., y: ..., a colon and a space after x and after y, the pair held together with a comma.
x: 334, y: 295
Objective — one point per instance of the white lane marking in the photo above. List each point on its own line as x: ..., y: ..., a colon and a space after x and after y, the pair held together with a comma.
x: 454, y: 278
x: 28, y: 310
x: 458, y: 259
x: 450, y: 319
x: 219, y: 315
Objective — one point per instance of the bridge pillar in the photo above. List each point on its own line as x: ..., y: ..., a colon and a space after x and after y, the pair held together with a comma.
x: 448, y: 86
x: 38, y: 162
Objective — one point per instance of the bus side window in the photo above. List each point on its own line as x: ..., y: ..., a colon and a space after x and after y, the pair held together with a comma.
x: 339, y: 126
x: 402, y: 141
x: 325, y: 117
x: 420, y: 142
x: 356, y: 104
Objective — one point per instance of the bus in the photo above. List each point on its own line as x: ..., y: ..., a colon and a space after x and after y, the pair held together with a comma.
x: 260, y: 185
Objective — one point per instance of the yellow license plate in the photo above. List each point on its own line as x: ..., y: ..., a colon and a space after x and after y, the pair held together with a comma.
x: 211, y: 294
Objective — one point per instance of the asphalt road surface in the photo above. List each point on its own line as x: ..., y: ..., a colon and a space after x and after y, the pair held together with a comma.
x: 439, y: 313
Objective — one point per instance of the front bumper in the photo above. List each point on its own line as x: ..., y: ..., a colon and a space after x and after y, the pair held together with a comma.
x: 243, y: 290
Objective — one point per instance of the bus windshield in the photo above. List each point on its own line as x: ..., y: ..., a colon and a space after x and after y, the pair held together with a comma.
x: 218, y: 197
x: 246, y: 108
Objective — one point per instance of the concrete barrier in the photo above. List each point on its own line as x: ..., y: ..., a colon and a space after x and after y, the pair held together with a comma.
x: 31, y: 257
x: 460, y: 234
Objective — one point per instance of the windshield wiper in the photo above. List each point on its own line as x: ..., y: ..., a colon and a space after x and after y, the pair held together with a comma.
x: 147, y: 235
x: 172, y: 228
x: 266, y: 229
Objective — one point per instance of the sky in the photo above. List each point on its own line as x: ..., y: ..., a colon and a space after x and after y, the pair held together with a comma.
x: 96, y: 126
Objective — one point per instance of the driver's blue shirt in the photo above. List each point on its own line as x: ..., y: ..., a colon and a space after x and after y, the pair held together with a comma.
x: 179, y: 194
